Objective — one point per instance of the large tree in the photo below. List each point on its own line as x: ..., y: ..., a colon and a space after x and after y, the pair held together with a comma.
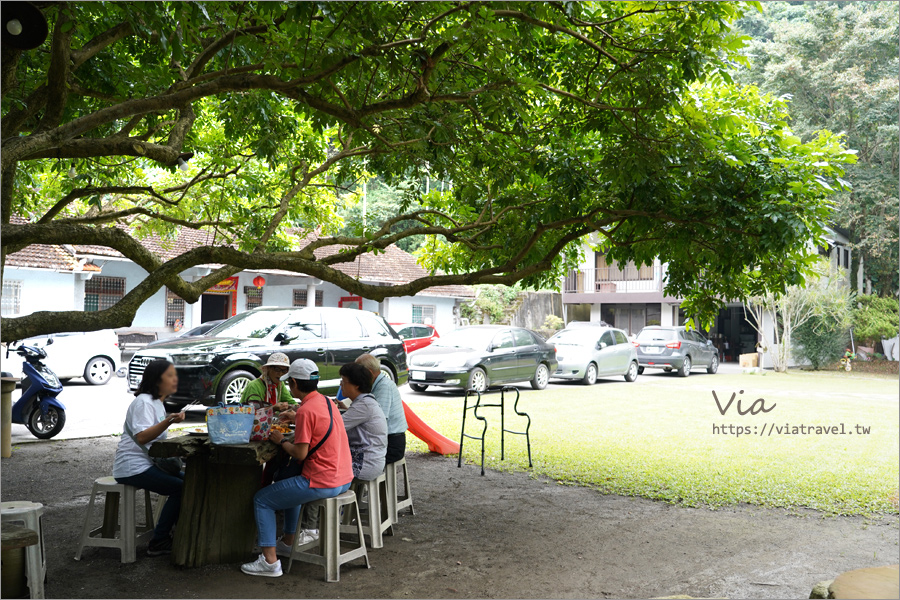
x: 552, y: 120
x: 838, y: 62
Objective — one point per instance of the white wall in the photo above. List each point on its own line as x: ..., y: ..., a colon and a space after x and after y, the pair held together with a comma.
x: 44, y: 290
x: 399, y: 310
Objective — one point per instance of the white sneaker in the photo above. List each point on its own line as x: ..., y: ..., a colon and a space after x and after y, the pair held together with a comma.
x: 262, y: 568
x: 282, y: 549
x: 310, y: 535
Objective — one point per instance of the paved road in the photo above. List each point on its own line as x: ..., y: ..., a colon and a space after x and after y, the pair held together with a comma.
x: 93, y: 411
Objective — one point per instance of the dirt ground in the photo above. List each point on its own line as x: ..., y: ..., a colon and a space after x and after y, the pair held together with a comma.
x: 499, y: 536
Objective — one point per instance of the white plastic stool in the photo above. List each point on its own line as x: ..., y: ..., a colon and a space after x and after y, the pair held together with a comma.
x: 29, y: 513
x: 378, y: 517
x: 329, y: 543
x: 396, y: 502
x: 123, y: 522
x: 160, y: 503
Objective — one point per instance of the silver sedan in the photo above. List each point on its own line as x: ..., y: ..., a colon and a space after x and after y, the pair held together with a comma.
x: 592, y: 352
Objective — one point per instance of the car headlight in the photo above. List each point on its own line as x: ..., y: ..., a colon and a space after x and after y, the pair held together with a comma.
x: 191, y: 359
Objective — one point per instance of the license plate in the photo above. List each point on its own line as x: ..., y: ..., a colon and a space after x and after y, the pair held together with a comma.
x: 417, y: 375
x: 652, y: 350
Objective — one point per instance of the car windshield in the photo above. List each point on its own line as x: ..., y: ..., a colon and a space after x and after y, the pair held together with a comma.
x: 584, y: 336
x: 249, y: 325
x: 657, y: 335
x: 466, y: 337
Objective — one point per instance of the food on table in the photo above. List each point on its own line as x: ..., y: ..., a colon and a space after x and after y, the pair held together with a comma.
x: 282, y: 427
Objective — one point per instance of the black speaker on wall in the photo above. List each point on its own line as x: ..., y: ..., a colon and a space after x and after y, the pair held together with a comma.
x: 24, y: 25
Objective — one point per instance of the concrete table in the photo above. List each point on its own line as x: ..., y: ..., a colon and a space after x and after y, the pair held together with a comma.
x: 217, y: 523
x: 8, y: 385
x: 874, y: 582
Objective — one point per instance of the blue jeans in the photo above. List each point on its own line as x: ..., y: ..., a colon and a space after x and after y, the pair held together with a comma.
x: 158, y: 481
x: 288, y: 495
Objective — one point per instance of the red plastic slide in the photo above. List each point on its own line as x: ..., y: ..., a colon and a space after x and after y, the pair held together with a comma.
x: 436, y: 442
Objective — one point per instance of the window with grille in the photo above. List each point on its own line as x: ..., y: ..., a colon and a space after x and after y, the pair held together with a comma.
x: 101, y: 293
x: 300, y: 297
x: 254, y: 296
x: 12, y: 298
x: 174, y: 308
x: 423, y: 313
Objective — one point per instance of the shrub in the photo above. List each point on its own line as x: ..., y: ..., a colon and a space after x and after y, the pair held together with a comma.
x: 553, y: 322
x: 875, y: 318
x: 821, y: 341
x: 491, y: 300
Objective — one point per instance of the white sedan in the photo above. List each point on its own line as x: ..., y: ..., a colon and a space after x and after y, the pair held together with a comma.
x: 93, y: 355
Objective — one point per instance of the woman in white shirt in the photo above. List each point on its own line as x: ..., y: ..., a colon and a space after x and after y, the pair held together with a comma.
x: 145, y: 423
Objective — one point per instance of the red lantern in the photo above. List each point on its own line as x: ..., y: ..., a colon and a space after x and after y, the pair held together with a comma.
x: 258, y: 281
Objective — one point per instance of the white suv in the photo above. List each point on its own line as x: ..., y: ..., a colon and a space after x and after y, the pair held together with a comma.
x: 93, y: 355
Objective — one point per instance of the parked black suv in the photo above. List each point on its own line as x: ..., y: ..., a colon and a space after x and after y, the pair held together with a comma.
x: 217, y: 367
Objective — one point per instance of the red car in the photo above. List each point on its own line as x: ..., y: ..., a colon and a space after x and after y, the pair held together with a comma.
x: 415, y: 335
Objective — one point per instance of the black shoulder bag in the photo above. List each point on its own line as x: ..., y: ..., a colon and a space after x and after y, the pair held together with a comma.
x: 294, y: 467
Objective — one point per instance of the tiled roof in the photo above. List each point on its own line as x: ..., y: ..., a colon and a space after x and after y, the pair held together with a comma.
x: 44, y: 256
x: 394, y: 266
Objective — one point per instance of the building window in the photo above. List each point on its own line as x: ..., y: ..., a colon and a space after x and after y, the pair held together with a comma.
x: 12, y: 298
x: 609, y: 270
x: 300, y: 297
x: 174, y: 309
x: 253, y: 296
x: 423, y: 313
x: 101, y: 293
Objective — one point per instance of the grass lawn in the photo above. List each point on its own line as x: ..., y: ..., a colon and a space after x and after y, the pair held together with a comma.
x: 655, y: 438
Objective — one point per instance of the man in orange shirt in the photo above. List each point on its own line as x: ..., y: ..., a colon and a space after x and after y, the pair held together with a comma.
x: 320, y: 441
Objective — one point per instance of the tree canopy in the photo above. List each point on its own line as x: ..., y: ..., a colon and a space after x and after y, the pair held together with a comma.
x: 552, y: 120
x: 838, y: 63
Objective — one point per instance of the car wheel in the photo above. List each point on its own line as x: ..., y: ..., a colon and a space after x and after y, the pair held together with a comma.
x: 632, y: 373
x: 232, y: 386
x: 541, y: 377
x: 388, y: 373
x: 713, y: 365
x: 98, y: 371
x: 478, y: 380
x: 416, y: 387
x: 65, y: 379
x: 590, y: 375
x: 685, y: 369
x: 640, y: 370
x: 46, y: 426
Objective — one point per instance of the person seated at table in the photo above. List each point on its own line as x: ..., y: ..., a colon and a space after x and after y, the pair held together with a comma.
x: 388, y: 397
x: 365, y: 423
x: 146, y: 422
x: 268, y: 389
x: 320, y: 441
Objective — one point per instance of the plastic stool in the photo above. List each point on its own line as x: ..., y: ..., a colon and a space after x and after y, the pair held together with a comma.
x: 160, y: 502
x: 29, y: 514
x: 329, y: 542
x: 396, y: 502
x: 377, y: 507
x: 122, y: 520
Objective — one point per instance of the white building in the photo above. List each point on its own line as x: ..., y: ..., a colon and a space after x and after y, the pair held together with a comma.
x: 630, y: 297
x: 58, y: 278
